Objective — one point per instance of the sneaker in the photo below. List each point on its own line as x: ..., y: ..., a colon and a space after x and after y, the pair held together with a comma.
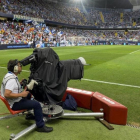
x: 45, y: 129
x: 30, y: 116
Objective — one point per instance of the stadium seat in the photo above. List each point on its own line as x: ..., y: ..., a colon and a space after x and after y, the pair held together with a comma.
x: 8, y: 106
x: 114, y: 112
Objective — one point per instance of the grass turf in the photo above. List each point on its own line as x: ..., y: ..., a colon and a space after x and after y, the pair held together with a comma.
x: 108, y: 63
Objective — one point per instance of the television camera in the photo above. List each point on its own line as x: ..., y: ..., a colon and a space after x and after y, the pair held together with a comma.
x: 48, y: 83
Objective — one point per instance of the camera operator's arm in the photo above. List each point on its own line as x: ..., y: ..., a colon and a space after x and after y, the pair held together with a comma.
x: 9, y: 94
x: 30, y: 85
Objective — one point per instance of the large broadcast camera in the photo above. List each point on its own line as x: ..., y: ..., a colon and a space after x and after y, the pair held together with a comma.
x: 49, y: 76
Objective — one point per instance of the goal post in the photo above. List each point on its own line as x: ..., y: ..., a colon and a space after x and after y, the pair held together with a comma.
x: 78, y: 41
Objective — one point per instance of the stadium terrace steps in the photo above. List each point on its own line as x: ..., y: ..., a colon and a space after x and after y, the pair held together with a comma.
x: 121, y: 17
x: 114, y: 112
x: 102, y: 17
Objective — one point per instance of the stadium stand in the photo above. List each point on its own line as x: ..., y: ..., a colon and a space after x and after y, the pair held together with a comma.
x: 18, y: 31
x: 70, y: 14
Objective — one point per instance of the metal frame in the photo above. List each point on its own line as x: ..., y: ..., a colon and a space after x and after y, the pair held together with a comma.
x: 54, y: 115
x: 15, y: 115
x: 32, y: 127
x: 8, y: 116
x: 58, y: 113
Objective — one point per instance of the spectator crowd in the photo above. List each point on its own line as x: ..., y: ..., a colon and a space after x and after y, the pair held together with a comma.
x: 26, y: 33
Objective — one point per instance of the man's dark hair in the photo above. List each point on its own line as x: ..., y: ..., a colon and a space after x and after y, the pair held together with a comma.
x: 11, y: 64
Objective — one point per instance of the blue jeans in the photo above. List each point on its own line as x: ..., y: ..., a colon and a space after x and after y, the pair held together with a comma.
x: 31, y: 104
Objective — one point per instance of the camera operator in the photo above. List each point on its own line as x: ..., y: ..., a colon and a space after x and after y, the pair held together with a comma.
x: 12, y: 91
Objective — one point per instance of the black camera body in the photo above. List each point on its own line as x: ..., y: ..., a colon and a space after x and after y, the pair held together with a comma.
x: 51, y: 74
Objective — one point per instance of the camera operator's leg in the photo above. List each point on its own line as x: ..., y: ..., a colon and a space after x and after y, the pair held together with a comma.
x: 32, y: 104
x: 29, y: 115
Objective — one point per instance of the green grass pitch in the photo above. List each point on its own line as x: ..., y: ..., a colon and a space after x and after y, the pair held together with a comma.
x: 113, y: 64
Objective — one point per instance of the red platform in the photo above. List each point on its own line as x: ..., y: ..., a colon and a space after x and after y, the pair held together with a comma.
x: 114, y: 112
x: 82, y: 97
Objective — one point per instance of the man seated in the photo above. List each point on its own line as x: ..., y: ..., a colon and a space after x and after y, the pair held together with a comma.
x: 12, y: 91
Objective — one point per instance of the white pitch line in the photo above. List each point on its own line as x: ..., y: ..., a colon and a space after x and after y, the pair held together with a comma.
x: 25, y: 70
x: 97, y: 81
x: 111, y: 83
x: 134, y: 51
x: 22, y: 70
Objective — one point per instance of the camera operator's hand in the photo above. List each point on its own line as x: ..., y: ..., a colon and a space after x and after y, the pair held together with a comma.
x: 24, y: 93
x: 21, y: 81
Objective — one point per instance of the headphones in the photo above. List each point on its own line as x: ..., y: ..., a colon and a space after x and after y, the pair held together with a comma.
x: 16, y: 66
x: 13, y: 66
